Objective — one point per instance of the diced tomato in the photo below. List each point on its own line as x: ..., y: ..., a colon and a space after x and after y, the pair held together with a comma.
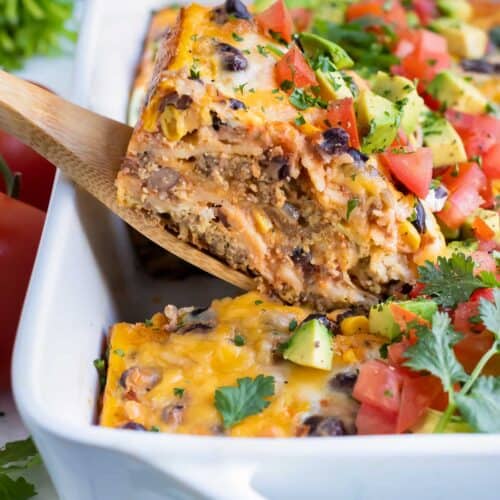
x: 379, y: 385
x: 426, y: 10
x: 441, y: 401
x: 394, y: 15
x: 491, y: 162
x: 396, y: 351
x: 293, y: 67
x: 483, y: 261
x: 403, y: 318
x: 487, y: 195
x: 463, y: 315
x: 429, y: 55
x: 459, y: 205
x: 482, y: 230
x: 478, y: 132
x: 472, y: 348
x: 464, y: 185
x: 483, y: 293
x: 413, y: 170
x: 488, y: 246
x: 302, y: 18
x: 467, y: 175
x: 341, y: 114
x: 430, y: 101
x: 371, y: 420
x: 417, y: 290
x: 276, y: 19
x: 401, y: 141
x: 416, y: 397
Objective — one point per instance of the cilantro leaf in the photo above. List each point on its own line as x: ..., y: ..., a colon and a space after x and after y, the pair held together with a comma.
x: 433, y: 352
x: 452, y: 281
x: 18, y: 451
x: 19, y: 489
x: 237, y: 403
x: 481, y: 406
x: 490, y: 314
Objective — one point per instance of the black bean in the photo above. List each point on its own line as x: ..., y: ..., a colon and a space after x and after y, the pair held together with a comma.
x: 198, y: 310
x: 174, y: 99
x: 357, y: 155
x: 344, y: 381
x: 237, y: 9
x: 172, y: 414
x: 219, y: 15
x: 137, y: 379
x: 236, y: 104
x: 335, y: 141
x: 480, y: 66
x: 440, y: 192
x: 291, y: 210
x: 419, y: 222
x: 133, y: 426
x: 184, y: 102
x: 277, y: 167
x: 217, y: 123
x: 232, y: 58
x: 300, y: 256
x: 322, y: 426
x: 324, y: 320
x: 406, y: 288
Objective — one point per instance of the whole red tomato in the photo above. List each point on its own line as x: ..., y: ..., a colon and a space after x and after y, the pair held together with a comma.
x: 37, y: 174
x: 20, y: 229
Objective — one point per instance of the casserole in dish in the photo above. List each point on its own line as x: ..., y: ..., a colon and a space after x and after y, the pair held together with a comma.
x: 85, y: 279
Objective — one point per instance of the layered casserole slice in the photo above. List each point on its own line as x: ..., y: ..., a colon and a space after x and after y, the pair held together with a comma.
x: 262, y: 175
x: 172, y: 373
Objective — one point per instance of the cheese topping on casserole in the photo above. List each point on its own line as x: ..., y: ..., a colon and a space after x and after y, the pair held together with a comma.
x: 163, y: 374
x: 232, y: 166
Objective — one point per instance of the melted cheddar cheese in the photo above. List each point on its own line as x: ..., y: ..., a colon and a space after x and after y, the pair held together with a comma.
x: 199, y: 362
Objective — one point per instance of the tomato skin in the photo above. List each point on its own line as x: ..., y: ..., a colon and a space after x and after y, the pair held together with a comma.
x: 371, y: 420
x: 277, y: 19
x: 471, y: 349
x: 462, y: 315
x: 416, y: 397
x: 396, y: 352
x: 491, y: 162
x: 341, y: 114
x: 413, y: 169
x: 426, y: 10
x: 293, y: 67
x: 483, y: 293
x: 20, y: 229
x: 378, y: 385
x: 37, y: 174
x: 469, y: 175
x: 481, y: 230
x: 396, y: 15
x: 302, y: 18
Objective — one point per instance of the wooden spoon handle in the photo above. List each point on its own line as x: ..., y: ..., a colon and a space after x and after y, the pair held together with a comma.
x: 89, y: 148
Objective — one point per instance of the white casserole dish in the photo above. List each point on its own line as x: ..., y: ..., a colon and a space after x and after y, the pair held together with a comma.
x: 85, y: 279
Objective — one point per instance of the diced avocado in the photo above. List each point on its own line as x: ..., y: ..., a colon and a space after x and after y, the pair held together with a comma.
x: 490, y: 217
x: 428, y: 422
x: 458, y: 9
x: 311, y: 345
x: 332, y: 85
x: 315, y: 46
x: 466, y: 247
x: 443, y: 140
x: 378, y: 120
x: 452, y: 91
x: 333, y: 13
x: 403, y: 94
x: 464, y: 40
x: 381, y: 320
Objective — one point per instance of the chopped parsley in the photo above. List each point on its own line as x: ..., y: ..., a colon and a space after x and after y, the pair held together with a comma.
x: 300, y: 120
x: 303, y: 100
x: 286, y: 85
x: 351, y: 205
x: 194, y: 72
x: 239, y: 340
x: 100, y: 366
x: 154, y: 428
x: 237, y: 37
x: 178, y: 392
x: 240, y: 88
x: 119, y: 352
x: 259, y: 302
x: 148, y: 323
x: 235, y: 403
x: 292, y: 325
x: 262, y: 50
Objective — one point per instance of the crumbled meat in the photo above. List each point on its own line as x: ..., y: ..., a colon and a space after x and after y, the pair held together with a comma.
x: 163, y: 179
x: 232, y: 58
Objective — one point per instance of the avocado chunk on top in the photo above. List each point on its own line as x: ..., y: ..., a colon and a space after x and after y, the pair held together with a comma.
x: 464, y: 40
x: 452, y: 91
x: 457, y: 9
x: 404, y: 95
x: 315, y: 46
x: 439, y: 135
x: 378, y: 121
x: 311, y: 345
x: 428, y: 422
x: 381, y: 321
x: 489, y: 217
x: 333, y: 85
x: 466, y: 247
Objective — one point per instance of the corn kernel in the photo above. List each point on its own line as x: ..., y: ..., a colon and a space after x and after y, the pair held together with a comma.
x: 349, y: 356
x: 262, y: 221
x: 354, y: 325
x: 409, y: 235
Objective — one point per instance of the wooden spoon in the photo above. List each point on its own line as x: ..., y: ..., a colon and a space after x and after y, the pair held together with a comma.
x: 89, y: 148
